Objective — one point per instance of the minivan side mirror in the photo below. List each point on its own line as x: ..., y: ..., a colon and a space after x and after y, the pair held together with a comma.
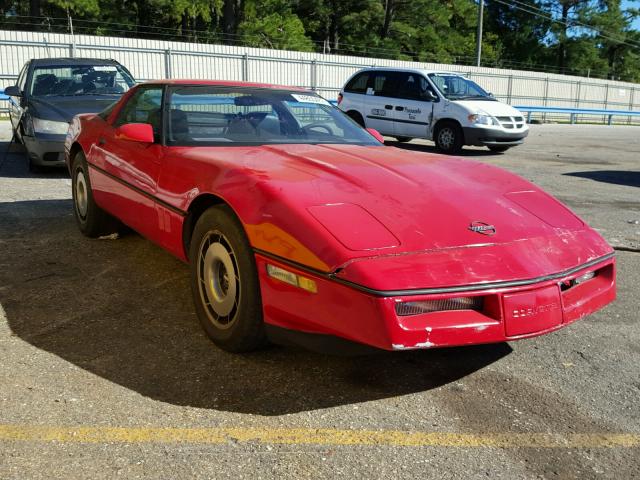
x: 430, y: 96
x: 13, y: 91
x: 135, y: 132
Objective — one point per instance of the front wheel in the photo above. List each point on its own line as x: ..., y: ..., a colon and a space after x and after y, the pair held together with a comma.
x: 498, y: 148
x: 224, y: 282
x: 91, y: 219
x: 404, y: 139
x: 449, y: 137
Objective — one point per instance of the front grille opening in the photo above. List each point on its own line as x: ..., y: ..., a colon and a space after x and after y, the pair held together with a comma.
x: 442, y: 305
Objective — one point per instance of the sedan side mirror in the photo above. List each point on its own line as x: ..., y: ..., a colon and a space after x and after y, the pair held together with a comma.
x: 378, y: 136
x: 135, y: 132
x: 13, y: 91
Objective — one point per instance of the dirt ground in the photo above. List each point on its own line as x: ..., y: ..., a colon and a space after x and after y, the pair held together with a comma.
x: 105, y: 373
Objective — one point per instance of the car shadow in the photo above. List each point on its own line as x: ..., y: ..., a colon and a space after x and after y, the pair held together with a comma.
x: 421, y: 147
x: 14, y: 164
x: 121, y: 309
x: 616, y: 177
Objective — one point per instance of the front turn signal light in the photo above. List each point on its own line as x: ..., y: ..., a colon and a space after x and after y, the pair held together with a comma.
x: 292, y: 279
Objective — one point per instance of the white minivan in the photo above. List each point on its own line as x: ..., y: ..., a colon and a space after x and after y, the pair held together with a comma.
x: 444, y: 107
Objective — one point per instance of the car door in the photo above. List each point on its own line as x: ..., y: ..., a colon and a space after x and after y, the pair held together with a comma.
x: 378, y: 101
x: 125, y: 176
x: 413, y: 108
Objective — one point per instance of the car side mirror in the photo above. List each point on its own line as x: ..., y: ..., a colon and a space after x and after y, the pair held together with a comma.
x: 376, y: 134
x: 13, y: 91
x: 135, y: 132
x: 430, y: 96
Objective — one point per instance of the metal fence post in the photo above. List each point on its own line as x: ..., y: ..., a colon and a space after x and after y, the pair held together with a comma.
x: 578, y: 87
x: 167, y: 63
x: 546, y: 98
x: 72, y: 49
x: 509, y: 89
x: 314, y: 75
x: 606, y: 100
x: 245, y: 67
x: 632, y: 92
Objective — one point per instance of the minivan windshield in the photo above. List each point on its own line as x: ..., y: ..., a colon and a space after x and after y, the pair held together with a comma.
x: 455, y: 87
x: 79, y: 80
x: 211, y: 115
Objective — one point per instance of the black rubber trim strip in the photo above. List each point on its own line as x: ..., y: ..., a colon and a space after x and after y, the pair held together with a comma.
x: 139, y: 190
x: 430, y: 291
x: 412, y: 122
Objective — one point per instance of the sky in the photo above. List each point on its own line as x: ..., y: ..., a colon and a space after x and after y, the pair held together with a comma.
x: 635, y: 4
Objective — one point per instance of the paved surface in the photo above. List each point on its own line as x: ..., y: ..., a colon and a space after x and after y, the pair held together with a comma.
x: 105, y: 373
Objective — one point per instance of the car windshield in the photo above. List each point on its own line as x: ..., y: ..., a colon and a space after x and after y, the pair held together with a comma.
x: 80, y: 80
x: 209, y: 115
x: 455, y: 87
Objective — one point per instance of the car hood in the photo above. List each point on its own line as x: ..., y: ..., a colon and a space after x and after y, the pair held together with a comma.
x: 344, y: 204
x: 492, y: 107
x: 64, y: 108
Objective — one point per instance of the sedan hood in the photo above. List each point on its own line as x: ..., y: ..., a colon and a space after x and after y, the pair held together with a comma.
x: 64, y: 108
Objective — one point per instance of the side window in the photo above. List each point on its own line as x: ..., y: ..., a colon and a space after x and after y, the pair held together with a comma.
x: 358, y: 84
x: 144, y: 107
x: 22, y: 78
x: 384, y: 83
x: 413, y: 86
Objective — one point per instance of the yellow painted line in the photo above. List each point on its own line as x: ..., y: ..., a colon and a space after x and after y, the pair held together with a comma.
x: 330, y: 437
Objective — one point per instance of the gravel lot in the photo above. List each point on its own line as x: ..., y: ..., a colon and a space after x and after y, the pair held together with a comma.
x: 105, y: 371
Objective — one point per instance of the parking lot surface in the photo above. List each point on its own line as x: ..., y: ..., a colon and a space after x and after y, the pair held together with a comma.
x: 105, y: 372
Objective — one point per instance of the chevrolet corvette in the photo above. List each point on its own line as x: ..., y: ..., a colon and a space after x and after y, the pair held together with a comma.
x: 300, y: 226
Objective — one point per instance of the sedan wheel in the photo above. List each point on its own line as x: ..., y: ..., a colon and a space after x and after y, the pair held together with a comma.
x: 224, y: 282
x: 91, y: 219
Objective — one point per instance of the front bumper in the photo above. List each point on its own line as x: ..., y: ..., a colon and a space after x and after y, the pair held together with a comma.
x: 509, y: 313
x: 492, y: 136
x: 45, y: 149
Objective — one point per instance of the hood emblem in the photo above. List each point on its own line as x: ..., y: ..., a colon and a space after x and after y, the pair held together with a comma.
x: 483, y: 228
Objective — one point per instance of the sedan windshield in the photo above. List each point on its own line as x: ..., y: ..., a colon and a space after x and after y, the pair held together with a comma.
x: 209, y: 115
x: 455, y: 87
x: 80, y: 80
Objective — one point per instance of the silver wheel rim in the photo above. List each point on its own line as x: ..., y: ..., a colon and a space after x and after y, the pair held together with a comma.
x: 82, y: 200
x: 218, y: 280
x: 446, y: 137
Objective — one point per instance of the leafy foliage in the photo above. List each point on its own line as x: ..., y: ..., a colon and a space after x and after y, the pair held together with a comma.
x: 585, y: 37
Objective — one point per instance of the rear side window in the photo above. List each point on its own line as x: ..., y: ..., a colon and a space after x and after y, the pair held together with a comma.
x: 358, y: 84
x: 384, y: 84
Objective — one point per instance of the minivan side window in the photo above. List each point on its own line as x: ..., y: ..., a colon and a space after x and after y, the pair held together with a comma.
x: 413, y: 86
x: 384, y: 83
x: 358, y: 84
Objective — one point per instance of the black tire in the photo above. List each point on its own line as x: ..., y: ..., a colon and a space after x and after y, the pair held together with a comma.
x: 91, y: 219
x: 356, y: 117
x: 404, y: 139
x: 498, y: 148
x: 449, y: 137
x: 33, y: 168
x: 224, y: 282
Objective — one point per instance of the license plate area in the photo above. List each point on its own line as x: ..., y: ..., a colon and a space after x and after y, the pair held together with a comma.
x: 532, y: 311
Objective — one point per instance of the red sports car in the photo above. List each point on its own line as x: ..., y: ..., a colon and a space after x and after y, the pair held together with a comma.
x: 298, y: 224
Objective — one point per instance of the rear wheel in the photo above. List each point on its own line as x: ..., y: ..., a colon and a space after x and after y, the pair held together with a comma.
x: 224, y: 282
x: 498, y: 148
x: 404, y: 139
x: 91, y: 219
x: 449, y: 137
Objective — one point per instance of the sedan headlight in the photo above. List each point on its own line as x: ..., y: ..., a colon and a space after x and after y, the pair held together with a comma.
x: 482, y: 119
x: 49, y: 126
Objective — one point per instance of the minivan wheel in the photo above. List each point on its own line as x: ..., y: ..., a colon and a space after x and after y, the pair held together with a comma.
x: 404, y: 139
x: 449, y: 137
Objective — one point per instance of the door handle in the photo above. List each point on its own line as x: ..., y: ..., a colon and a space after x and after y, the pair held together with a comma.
x: 399, y: 108
x: 388, y: 107
x: 102, y: 141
